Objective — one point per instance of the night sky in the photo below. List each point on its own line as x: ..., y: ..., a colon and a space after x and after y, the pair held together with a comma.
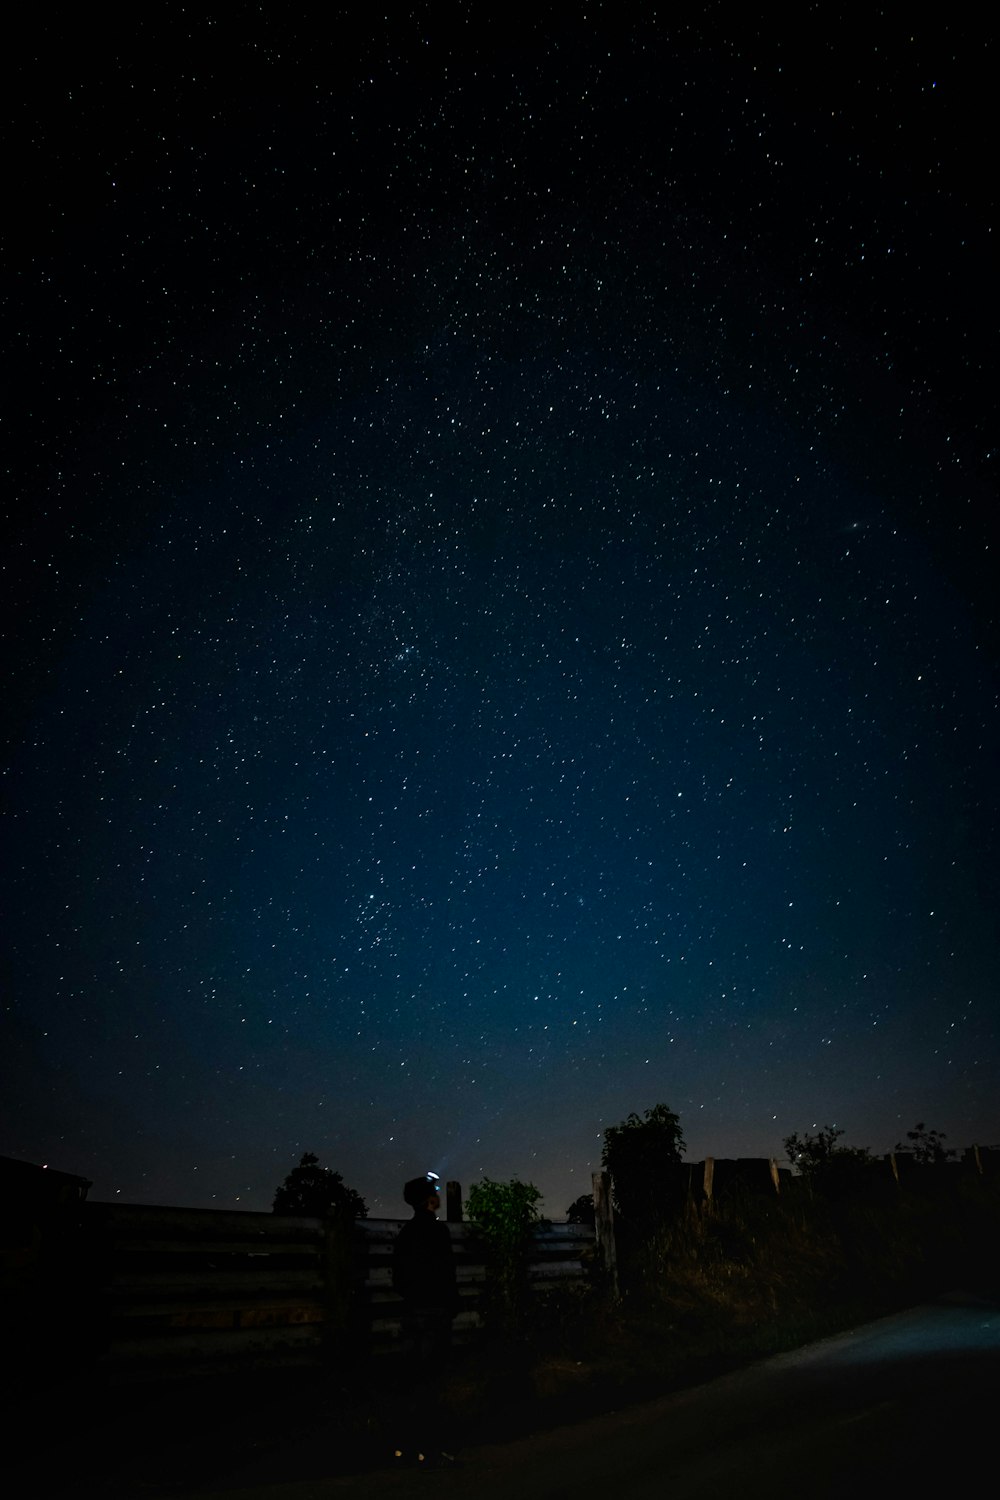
x: 499, y: 612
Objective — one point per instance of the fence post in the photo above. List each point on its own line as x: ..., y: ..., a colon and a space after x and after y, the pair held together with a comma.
x: 338, y: 1290
x: 604, y: 1226
x: 708, y: 1179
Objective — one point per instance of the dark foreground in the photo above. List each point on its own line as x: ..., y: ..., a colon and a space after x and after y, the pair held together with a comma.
x: 906, y: 1405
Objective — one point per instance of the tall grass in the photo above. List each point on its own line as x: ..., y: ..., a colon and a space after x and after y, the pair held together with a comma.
x: 711, y: 1287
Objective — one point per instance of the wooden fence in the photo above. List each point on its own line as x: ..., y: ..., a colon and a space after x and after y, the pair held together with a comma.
x: 184, y: 1291
x: 561, y: 1257
x: 136, y: 1292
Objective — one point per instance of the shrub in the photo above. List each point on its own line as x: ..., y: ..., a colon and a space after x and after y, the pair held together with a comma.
x: 505, y: 1214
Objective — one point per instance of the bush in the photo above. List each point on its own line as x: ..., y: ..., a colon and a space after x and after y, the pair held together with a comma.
x: 505, y: 1214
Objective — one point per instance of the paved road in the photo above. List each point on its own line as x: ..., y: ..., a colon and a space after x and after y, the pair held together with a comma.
x: 908, y: 1406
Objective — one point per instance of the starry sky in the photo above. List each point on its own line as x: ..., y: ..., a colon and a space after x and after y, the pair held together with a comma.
x: 500, y: 621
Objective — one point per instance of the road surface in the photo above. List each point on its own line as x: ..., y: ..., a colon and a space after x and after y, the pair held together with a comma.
x: 908, y: 1406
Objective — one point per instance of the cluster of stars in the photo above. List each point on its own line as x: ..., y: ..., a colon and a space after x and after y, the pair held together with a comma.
x: 501, y: 630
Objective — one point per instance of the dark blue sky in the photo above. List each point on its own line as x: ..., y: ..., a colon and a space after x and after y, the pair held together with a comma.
x: 500, y: 609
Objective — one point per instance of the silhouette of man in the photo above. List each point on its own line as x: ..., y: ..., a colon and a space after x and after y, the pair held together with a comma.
x: 423, y: 1274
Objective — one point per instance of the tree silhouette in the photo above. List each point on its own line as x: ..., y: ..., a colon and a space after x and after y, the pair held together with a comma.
x: 812, y: 1153
x: 831, y: 1169
x: 641, y: 1155
x: 925, y: 1146
x: 581, y: 1210
x: 317, y: 1192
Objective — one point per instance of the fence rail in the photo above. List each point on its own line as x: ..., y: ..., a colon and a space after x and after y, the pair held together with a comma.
x: 181, y: 1290
x: 190, y: 1290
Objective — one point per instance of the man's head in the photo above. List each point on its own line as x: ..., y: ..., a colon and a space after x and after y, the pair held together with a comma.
x: 422, y: 1193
